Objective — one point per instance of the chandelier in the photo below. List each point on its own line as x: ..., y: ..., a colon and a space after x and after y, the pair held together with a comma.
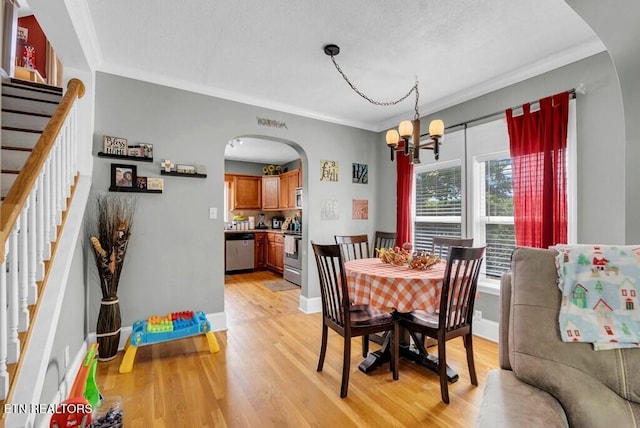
x: 408, y: 132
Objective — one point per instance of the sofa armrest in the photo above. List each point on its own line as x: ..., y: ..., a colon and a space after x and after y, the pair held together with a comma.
x: 509, y: 402
x: 503, y: 327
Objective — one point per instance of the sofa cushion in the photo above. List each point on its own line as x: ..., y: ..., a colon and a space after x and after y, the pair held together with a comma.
x: 510, y: 402
x: 596, y: 388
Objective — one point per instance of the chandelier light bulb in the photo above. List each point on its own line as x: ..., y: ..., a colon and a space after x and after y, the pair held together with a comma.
x: 405, y: 129
x: 392, y: 138
x: 436, y: 128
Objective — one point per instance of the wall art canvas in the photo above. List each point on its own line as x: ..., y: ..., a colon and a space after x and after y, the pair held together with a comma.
x: 360, y: 209
x: 329, y: 210
x: 328, y: 170
x: 360, y: 173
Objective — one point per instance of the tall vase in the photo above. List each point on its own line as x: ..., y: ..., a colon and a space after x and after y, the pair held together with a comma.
x: 108, y: 328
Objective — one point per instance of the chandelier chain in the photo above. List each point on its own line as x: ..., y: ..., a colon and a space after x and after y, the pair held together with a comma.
x: 414, y: 88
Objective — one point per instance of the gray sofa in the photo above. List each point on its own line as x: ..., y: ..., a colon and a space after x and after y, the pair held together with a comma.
x: 544, y: 382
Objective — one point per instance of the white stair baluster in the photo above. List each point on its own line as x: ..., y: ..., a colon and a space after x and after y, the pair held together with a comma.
x: 46, y: 248
x: 4, y: 375
x: 59, y: 182
x: 32, y: 297
x: 13, y: 345
x: 53, y: 232
x: 40, y: 228
x: 23, y: 269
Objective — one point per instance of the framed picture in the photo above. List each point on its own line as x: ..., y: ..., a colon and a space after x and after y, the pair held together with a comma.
x: 114, y: 145
x: 123, y: 175
x: 360, y: 173
x: 141, y: 183
x: 186, y: 169
x: 141, y: 150
x: 154, y: 183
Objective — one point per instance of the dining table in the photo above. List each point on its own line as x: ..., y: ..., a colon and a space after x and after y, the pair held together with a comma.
x: 400, y: 289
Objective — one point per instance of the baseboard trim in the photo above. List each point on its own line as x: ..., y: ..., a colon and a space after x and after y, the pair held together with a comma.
x: 486, y: 329
x: 310, y: 305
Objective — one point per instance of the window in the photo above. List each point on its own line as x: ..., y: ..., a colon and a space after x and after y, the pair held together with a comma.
x: 438, y: 203
x: 495, y: 220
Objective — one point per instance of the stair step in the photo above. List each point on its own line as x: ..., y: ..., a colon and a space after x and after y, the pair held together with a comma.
x: 26, y: 91
x: 14, y: 159
x: 31, y: 105
x: 35, y: 85
x: 17, y: 119
x: 19, y: 138
x: 7, y: 181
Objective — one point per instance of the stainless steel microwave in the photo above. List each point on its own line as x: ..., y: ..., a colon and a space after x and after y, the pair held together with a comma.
x: 299, y: 198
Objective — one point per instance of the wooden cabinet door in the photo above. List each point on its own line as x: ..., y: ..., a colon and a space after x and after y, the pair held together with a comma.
x: 247, y: 192
x: 278, y: 252
x: 260, y: 250
x: 270, y: 192
x: 284, y: 191
x: 293, y: 184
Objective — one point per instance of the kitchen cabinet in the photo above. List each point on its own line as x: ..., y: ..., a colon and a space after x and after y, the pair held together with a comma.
x: 246, y: 192
x: 270, y: 192
x: 289, y: 181
x: 275, y: 252
x: 261, y: 249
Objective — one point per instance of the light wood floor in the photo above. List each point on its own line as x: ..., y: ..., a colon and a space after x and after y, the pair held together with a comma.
x: 265, y: 375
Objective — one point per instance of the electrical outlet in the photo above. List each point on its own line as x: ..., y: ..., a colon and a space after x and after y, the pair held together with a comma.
x: 66, y: 357
x: 213, y: 213
x: 477, y: 315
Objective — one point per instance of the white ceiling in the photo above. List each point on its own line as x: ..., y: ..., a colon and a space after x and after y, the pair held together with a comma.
x: 270, y: 53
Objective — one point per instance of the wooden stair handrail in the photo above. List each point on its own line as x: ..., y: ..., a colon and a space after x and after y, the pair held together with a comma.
x: 26, y: 179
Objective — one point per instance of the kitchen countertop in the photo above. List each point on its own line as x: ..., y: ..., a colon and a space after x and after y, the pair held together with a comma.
x: 259, y: 230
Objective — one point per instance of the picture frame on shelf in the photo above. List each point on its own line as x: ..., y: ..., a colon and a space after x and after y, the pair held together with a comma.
x: 141, y: 150
x: 141, y: 183
x: 123, y: 175
x: 155, y: 183
x: 114, y: 145
x: 185, y: 169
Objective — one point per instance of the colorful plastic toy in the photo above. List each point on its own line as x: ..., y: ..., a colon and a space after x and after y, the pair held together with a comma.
x: 156, y: 329
x: 77, y: 410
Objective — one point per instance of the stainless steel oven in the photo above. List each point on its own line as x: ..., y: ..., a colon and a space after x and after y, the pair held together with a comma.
x: 293, y: 258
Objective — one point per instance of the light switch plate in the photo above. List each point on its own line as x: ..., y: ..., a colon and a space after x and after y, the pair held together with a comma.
x: 213, y: 213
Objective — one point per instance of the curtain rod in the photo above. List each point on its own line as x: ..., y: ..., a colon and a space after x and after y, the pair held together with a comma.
x: 572, y: 95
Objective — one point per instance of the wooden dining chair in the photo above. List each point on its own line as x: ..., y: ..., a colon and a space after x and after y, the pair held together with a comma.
x: 440, y: 245
x: 357, y: 247
x: 353, y: 246
x: 339, y: 315
x: 455, y: 315
x: 383, y: 240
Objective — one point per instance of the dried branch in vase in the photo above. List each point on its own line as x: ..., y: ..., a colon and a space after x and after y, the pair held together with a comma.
x: 109, y: 228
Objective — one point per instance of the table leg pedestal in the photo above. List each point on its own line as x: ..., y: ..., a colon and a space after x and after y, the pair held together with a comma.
x: 429, y: 361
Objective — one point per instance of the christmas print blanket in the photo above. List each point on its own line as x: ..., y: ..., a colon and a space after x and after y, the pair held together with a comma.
x: 599, y: 285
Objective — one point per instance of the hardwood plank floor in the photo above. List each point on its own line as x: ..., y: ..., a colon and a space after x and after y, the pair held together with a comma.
x: 265, y: 375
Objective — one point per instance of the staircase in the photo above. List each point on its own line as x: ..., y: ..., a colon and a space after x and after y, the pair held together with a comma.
x: 26, y: 109
x: 39, y: 172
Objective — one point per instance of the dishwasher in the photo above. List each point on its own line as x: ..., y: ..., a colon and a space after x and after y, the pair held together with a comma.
x: 239, y: 252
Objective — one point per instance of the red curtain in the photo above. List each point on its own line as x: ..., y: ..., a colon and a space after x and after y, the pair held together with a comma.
x: 404, y: 190
x: 538, y: 142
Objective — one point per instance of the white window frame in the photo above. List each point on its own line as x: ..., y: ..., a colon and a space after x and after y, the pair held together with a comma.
x: 479, y: 217
x: 422, y: 168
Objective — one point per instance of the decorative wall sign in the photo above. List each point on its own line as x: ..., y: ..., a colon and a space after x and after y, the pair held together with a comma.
x: 360, y: 209
x: 23, y: 35
x: 328, y: 170
x: 360, y: 173
x: 114, y: 145
x: 329, y: 209
x: 271, y: 123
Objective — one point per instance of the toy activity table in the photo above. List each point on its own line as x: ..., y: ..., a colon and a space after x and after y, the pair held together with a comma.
x: 156, y: 329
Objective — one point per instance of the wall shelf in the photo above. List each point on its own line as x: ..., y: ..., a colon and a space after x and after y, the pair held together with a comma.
x: 133, y: 190
x: 125, y: 157
x: 182, y: 174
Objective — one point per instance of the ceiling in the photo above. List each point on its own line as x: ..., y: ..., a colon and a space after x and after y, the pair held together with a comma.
x: 270, y: 53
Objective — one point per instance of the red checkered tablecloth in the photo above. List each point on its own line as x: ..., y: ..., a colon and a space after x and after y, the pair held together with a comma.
x: 382, y: 285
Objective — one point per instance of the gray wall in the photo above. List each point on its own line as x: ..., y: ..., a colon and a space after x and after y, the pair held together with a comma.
x: 175, y: 257
x: 70, y: 331
x: 248, y: 168
x: 601, y: 158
